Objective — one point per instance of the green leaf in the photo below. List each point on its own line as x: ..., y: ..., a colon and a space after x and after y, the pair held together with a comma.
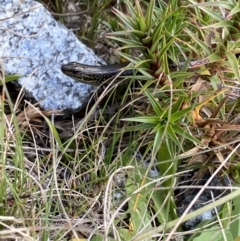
x: 214, y: 58
x: 234, y: 64
x: 166, y: 47
x: 218, y: 4
x: 177, y: 115
x: 171, y: 133
x: 128, y: 22
x: 198, y: 41
x: 215, y: 234
x: 138, y: 203
x: 177, y: 105
x: 158, y: 139
x: 235, y: 10
x: 147, y: 40
x: 142, y: 24
x: 213, y: 14
x: 140, y: 127
x: 54, y: 131
x: 157, y: 108
x: 226, y: 215
x: 235, y: 224
x: 149, y: 14
x: 131, y: 8
x: 157, y: 35
x: 96, y: 238
x: 144, y: 119
x: 180, y: 75
x: 131, y: 32
x: 126, y: 41
x: 221, y: 24
x: 10, y: 78
x: 185, y: 134
x: 159, y: 200
x: 131, y: 46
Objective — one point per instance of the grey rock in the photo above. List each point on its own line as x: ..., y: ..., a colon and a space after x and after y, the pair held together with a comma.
x: 186, y: 196
x: 34, y: 45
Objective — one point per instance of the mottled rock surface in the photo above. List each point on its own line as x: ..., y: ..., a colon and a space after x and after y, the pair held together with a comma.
x: 35, y: 46
x: 186, y: 196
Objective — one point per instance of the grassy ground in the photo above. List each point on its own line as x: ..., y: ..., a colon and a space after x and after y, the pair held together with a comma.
x: 85, y: 177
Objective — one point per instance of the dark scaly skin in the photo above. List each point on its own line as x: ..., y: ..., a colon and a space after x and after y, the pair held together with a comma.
x: 95, y: 75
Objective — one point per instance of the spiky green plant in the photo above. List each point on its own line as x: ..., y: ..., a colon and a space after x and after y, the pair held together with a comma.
x: 154, y: 35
